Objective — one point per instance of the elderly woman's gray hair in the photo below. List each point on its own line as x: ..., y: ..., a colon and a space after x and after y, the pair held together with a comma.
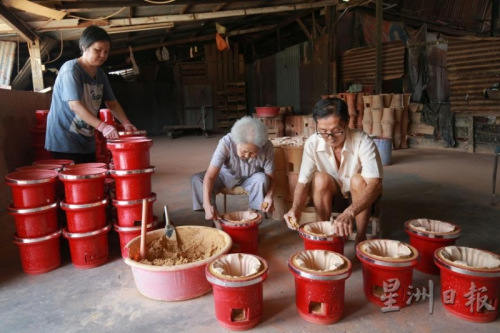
x: 249, y: 130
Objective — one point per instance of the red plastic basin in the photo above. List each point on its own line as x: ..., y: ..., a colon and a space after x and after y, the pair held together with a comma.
x: 267, y: 111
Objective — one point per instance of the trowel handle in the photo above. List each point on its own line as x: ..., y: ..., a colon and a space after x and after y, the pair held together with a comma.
x: 144, y: 224
x: 167, y: 220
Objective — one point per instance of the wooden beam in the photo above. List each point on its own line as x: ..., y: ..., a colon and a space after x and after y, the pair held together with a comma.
x: 192, y: 40
x: 16, y: 25
x: 304, y: 29
x: 71, y: 23
x: 31, y: 7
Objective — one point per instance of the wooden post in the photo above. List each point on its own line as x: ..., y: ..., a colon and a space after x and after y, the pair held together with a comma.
x: 36, y: 65
x: 378, y: 57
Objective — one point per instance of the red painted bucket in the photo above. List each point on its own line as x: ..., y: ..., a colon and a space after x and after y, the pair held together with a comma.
x: 85, y: 217
x: 83, y: 185
x: 238, y: 294
x: 128, y: 212
x: 35, y: 222
x: 469, y: 292
x: 106, y: 116
x: 319, y: 289
x: 386, y: 279
x: 92, y: 165
x: 426, y: 242
x: 132, y: 184
x: 55, y: 167
x: 41, y: 118
x: 39, y: 255
x: 32, y: 188
x: 318, y: 236
x: 88, y: 249
x: 243, y: 227
x: 38, y: 135
x: 62, y: 162
x: 130, y: 153
x: 126, y: 234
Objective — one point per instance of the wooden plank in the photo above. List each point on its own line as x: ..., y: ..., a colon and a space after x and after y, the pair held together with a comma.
x: 30, y: 7
x: 36, y: 65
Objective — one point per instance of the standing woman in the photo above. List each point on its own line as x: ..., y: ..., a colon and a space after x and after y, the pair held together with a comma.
x: 79, y: 90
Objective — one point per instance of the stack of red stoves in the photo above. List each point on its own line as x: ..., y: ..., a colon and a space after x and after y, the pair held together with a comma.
x: 132, y: 173
x: 85, y: 204
x: 102, y: 153
x: 34, y: 208
x: 38, y: 134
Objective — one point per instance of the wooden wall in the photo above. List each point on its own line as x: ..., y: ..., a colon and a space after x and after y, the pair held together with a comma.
x: 17, y: 119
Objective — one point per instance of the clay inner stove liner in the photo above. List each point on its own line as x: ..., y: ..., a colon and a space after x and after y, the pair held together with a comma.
x: 39, y: 255
x: 88, y: 249
x: 427, y: 236
x: 177, y: 279
x: 319, y: 284
x: 83, y: 186
x: 35, y: 222
x: 126, y: 234
x: 237, y: 286
x: 128, y: 212
x: 132, y: 184
x: 470, y: 282
x: 384, y: 261
x: 85, y: 217
x: 320, y: 236
x: 32, y: 188
x: 130, y: 152
x: 243, y: 227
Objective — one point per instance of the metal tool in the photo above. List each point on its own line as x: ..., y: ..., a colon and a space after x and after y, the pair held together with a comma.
x: 170, y: 232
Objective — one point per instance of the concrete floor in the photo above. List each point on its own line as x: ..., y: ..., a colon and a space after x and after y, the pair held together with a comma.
x: 444, y: 185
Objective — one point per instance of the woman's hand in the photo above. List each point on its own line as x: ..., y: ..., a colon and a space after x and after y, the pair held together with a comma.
x: 129, y: 127
x: 108, y: 131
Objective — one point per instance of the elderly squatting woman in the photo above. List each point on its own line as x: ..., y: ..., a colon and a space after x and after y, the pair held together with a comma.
x: 245, y: 158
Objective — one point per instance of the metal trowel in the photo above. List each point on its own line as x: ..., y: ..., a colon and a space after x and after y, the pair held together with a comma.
x: 169, y: 228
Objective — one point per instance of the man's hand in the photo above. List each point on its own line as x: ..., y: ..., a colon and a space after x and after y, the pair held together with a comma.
x: 292, y: 220
x: 342, y: 225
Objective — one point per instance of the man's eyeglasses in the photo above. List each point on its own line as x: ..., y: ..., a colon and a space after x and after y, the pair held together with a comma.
x: 326, y: 135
